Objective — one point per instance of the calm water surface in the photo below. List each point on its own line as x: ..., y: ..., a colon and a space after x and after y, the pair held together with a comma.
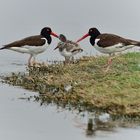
x: 27, y: 120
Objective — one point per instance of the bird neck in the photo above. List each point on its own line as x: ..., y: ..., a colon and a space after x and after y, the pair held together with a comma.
x: 92, y: 40
x: 93, y: 37
x: 49, y: 39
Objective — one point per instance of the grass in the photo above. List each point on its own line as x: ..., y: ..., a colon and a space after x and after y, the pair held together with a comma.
x: 86, y: 86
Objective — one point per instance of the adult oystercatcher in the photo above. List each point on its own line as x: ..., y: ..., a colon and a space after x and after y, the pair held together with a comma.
x: 32, y: 45
x: 67, y: 48
x: 108, y: 43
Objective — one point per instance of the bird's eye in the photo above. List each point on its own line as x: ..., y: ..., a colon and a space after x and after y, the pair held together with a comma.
x: 90, y: 30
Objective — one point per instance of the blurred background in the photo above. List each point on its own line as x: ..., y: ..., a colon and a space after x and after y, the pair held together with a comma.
x: 73, y: 18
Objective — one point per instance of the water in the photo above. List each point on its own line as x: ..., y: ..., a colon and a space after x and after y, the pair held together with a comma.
x: 27, y: 120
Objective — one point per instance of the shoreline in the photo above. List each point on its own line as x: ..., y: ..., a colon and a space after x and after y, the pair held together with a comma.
x: 85, y: 86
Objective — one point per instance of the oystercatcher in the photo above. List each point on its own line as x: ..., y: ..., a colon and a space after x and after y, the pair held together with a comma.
x: 67, y: 48
x: 108, y: 43
x: 32, y: 45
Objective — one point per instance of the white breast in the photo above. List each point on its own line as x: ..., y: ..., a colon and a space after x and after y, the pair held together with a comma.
x: 66, y: 53
x: 30, y: 49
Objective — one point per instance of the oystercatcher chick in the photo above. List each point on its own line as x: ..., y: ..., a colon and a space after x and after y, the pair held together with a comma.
x: 108, y: 43
x: 32, y: 45
x: 68, y: 48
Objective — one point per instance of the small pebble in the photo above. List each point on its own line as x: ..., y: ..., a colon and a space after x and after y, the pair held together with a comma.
x: 68, y: 88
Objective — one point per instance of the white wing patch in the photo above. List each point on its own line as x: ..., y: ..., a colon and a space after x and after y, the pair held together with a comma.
x: 112, y: 49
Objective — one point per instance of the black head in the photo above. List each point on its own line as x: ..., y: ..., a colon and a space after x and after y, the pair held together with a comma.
x: 93, y: 32
x: 62, y: 38
x: 47, y: 32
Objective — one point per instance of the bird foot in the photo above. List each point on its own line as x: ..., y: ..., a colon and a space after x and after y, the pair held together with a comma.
x: 33, y: 63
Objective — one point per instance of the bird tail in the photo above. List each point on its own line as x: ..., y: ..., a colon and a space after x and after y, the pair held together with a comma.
x: 4, y: 47
x: 136, y: 43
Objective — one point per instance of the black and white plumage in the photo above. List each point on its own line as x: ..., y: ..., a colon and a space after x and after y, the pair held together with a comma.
x: 32, y: 45
x: 108, y: 43
x: 67, y: 48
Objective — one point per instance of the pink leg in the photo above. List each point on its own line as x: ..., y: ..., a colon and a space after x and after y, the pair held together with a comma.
x: 67, y: 60
x: 109, y: 62
x: 34, y: 61
x: 29, y: 60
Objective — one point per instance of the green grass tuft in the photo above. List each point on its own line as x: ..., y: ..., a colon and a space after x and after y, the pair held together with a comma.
x: 116, y: 92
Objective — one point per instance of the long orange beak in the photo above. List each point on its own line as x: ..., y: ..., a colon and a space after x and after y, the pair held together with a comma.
x: 86, y: 35
x: 54, y: 34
